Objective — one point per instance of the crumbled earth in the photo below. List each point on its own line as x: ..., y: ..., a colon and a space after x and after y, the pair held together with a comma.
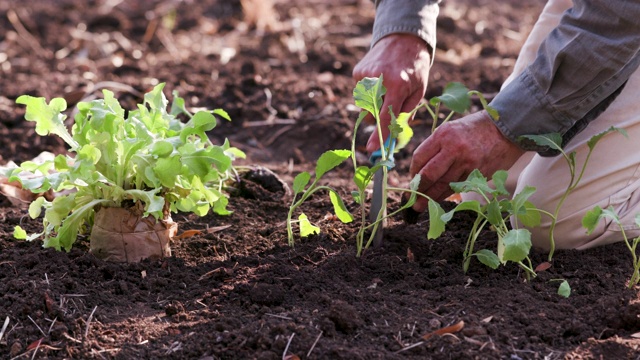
x: 236, y: 290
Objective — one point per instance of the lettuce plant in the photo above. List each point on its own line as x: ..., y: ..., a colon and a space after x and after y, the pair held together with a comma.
x: 147, y: 156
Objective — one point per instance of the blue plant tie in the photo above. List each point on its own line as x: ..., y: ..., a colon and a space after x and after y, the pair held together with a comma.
x: 389, y: 145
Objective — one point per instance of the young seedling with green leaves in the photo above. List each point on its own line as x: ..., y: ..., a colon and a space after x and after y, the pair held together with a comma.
x: 147, y: 156
x: 495, y: 210
x: 598, y: 214
x: 327, y: 161
x: 554, y: 142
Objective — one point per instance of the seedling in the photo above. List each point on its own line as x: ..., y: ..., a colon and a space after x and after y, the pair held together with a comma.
x: 327, y: 161
x: 597, y: 214
x: 554, y: 142
x: 513, y: 244
x: 147, y: 158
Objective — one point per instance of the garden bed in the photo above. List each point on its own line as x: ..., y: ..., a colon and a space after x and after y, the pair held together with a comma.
x: 234, y: 289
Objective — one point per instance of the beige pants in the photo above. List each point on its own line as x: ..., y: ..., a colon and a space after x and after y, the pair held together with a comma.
x: 612, y: 177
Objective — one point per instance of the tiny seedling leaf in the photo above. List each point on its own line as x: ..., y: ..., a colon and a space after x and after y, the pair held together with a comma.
x: 19, y: 233
x: 488, y: 258
x: 306, y: 228
x: 339, y: 208
x: 455, y: 96
x: 436, y: 224
x: 517, y: 244
x: 564, y: 289
x: 330, y: 160
x: 300, y: 182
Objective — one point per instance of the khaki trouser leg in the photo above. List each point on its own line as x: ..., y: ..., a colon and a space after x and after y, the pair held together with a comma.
x: 612, y: 177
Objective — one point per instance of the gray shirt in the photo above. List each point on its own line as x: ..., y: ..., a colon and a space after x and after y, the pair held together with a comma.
x: 579, y: 70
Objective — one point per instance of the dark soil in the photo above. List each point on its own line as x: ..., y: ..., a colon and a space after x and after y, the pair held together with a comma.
x: 242, y: 292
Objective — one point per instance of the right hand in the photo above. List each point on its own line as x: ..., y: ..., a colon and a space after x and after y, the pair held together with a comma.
x: 404, y: 61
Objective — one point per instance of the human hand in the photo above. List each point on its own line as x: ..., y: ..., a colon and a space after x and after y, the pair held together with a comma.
x: 404, y: 61
x: 455, y: 149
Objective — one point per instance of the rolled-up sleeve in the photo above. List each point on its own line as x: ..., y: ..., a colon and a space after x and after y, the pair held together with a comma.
x: 417, y: 17
x: 579, y: 70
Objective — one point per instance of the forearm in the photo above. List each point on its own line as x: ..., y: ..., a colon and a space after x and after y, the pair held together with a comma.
x: 580, y: 68
x: 416, y: 17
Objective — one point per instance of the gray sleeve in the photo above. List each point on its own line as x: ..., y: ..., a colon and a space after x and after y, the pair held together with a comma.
x: 417, y: 17
x: 579, y: 70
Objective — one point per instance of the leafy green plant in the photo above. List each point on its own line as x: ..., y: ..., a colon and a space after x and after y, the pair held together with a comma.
x: 597, y: 214
x: 147, y: 156
x: 513, y: 244
x: 554, y: 142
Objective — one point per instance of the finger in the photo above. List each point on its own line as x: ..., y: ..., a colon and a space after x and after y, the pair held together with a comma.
x: 411, y: 102
x: 436, y: 172
x: 426, y: 151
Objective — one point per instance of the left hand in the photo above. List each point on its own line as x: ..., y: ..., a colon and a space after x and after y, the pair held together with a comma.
x: 455, y: 149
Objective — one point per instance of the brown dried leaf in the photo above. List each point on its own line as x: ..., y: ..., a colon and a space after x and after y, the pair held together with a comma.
x: 187, y: 234
x: 543, y: 266
x: 215, y: 229
x: 445, y: 330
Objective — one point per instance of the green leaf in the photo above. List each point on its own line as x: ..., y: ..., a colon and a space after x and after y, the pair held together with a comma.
x: 455, y: 96
x: 469, y: 205
x: 204, y: 120
x: 488, y: 258
x: 405, y: 133
x: 436, y: 224
x: 362, y: 177
x: 552, y: 141
x: 300, y: 182
x: 156, y: 99
x: 48, y: 117
x: 564, y: 289
x: 220, y: 206
x: 223, y: 114
x: 330, y: 160
x: 19, y: 233
x: 475, y: 182
x: 162, y: 149
x: 529, y: 215
x: 339, y: 208
x: 517, y: 244
x: 306, y: 228
x: 35, y: 208
x: 591, y: 219
x: 357, y: 198
x: 167, y: 169
x: 178, y: 105
x: 368, y: 94
x: 499, y: 179
x: 493, y: 213
x: 596, y: 138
